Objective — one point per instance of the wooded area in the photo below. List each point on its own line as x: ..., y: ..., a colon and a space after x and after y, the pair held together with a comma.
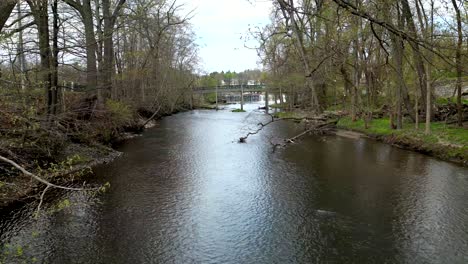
x: 365, y: 57
x: 76, y: 73
x: 82, y: 60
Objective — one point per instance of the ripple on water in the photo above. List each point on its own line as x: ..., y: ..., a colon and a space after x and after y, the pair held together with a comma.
x: 186, y: 192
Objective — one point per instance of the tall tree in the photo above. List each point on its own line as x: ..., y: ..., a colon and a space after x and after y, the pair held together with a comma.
x: 459, y: 62
x: 110, y: 19
x: 85, y: 10
x: 39, y: 10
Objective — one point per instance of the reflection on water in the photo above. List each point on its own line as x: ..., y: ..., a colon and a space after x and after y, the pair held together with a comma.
x: 186, y: 192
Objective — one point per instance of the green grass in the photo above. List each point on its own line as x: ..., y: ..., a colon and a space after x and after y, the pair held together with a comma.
x: 439, y: 130
x: 446, y: 141
x: 445, y: 101
x: 288, y: 115
x: 238, y: 111
x: 377, y: 126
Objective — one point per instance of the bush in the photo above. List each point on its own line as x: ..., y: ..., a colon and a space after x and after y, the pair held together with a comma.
x: 120, y: 113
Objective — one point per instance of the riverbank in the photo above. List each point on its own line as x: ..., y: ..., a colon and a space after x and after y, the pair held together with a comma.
x: 446, y: 142
x: 65, y: 152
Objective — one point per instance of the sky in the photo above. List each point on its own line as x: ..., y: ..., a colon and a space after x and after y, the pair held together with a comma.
x: 221, y: 27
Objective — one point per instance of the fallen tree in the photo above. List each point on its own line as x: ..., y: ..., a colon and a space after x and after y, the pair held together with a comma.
x: 314, y: 125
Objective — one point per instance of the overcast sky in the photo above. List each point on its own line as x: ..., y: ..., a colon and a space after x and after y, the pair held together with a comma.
x: 219, y: 26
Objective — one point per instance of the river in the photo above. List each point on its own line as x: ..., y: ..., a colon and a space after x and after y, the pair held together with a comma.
x: 187, y: 192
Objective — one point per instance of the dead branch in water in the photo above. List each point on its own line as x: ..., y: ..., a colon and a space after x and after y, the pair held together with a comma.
x: 243, y: 139
x: 319, y: 127
x: 151, y: 118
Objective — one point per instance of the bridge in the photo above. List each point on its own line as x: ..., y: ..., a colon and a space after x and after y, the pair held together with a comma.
x: 230, y: 89
x: 241, y: 89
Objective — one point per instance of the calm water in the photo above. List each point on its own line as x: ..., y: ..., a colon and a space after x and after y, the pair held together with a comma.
x: 186, y: 192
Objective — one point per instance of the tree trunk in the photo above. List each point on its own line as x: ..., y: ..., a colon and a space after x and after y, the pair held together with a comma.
x: 108, y: 58
x: 86, y: 14
x: 458, y: 58
x: 39, y: 10
x: 54, y: 59
x: 417, y: 54
x: 399, y: 82
x: 20, y: 49
x: 91, y: 46
x: 288, y: 12
x: 6, y: 8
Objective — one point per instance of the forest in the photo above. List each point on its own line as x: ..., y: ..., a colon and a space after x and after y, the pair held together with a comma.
x: 77, y: 74
x: 403, y: 59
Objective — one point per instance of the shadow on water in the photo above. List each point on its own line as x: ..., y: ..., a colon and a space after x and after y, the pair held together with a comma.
x: 186, y: 192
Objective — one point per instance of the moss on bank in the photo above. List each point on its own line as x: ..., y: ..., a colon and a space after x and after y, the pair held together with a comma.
x: 446, y: 142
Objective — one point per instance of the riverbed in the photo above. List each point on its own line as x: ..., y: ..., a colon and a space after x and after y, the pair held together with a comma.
x: 187, y: 192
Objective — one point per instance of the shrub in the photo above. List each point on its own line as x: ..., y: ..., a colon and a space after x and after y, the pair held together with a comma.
x: 120, y: 113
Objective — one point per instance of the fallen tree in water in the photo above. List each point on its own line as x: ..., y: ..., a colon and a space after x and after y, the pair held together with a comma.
x: 314, y: 125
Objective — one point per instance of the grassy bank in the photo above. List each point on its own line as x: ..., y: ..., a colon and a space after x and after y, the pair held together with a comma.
x: 445, y: 141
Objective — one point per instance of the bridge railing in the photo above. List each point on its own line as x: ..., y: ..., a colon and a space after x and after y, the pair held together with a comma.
x: 231, y: 87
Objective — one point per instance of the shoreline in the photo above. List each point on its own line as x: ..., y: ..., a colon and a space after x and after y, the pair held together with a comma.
x: 93, y: 155
x: 445, y: 152
x: 445, y: 142
x: 72, y: 163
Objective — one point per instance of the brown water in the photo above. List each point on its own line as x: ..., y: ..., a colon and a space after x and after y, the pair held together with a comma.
x: 186, y: 192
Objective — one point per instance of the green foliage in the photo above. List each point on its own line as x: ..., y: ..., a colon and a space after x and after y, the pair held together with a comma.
x: 64, y: 166
x: 210, y: 98
x: 293, y: 115
x: 104, y: 188
x: 377, y: 126
x: 61, y: 205
x: 446, y: 101
x: 19, y: 251
x: 120, y: 113
x: 208, y: 81
x: 35, y: 234
x: 238, y: 111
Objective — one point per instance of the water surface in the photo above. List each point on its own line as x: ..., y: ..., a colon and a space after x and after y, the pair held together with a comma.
x: 187, y: 192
